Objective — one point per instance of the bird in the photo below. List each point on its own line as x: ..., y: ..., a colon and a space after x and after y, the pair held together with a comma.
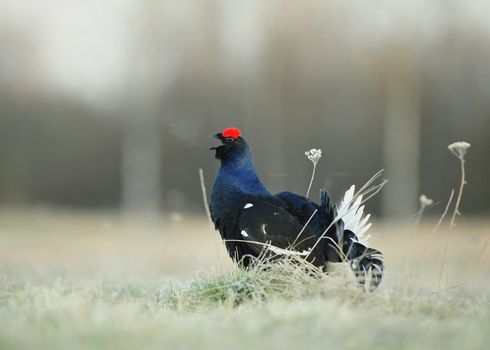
x: 253, y: 222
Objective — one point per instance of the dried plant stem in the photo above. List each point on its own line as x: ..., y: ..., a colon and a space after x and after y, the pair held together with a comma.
x: 436, y: 227
x: 304, y: 227
x: 453, y: 219
x: 424, y: 203
x: 418, y: 216
x: 460, y: 194
x: 311, y: 180
x: 205, y: 197
x: 477, y: 259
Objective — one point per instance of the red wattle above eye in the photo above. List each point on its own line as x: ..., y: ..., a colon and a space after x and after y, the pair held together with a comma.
x: 231, y: 132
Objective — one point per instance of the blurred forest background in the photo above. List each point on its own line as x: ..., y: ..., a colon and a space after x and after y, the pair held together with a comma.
x: 110, y: 104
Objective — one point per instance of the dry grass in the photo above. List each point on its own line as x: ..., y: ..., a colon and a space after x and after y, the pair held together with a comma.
x: 95, y: 280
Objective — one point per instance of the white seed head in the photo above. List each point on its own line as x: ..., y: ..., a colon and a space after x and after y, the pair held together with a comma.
x: 459, y: 148
x: 425, y: 201
x: 314, y: 155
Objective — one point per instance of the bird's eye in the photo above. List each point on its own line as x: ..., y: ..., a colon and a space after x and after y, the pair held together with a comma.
x: 230, y: 139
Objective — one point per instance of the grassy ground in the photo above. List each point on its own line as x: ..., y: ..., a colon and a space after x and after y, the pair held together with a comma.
x: 89, y: 281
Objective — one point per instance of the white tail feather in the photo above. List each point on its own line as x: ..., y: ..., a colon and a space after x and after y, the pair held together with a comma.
x: 352, y: 214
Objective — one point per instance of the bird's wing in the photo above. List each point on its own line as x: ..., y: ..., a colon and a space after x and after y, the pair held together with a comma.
x: 298, y: 206
x: 318, y: 217
x: 264, y: 225
x: 352, y: 214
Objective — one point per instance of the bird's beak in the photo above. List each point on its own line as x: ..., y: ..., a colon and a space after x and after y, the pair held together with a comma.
x: 216, y: 136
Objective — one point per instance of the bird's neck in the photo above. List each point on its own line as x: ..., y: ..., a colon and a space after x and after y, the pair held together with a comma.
x: 239, y: 175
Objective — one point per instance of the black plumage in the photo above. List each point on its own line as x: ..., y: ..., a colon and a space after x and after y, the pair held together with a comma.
x: 254, y: 222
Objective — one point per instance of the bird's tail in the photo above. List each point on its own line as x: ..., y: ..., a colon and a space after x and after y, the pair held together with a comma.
x: 366, y: 263
x: 351, y: 211
x: 325, y: 200
x: 330, y: 210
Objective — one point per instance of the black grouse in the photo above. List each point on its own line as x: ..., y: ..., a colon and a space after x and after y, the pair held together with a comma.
x: 252, y: 221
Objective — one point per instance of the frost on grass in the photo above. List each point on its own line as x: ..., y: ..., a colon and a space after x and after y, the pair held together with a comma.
x: 244, y: 309
x: 290, y: 279
x: 286, y: 278
x: 264, y: 283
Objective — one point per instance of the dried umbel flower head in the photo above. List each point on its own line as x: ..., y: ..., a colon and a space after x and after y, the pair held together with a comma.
x: 459, y: 149
x: 314, y: 155
x: 425, y: 201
